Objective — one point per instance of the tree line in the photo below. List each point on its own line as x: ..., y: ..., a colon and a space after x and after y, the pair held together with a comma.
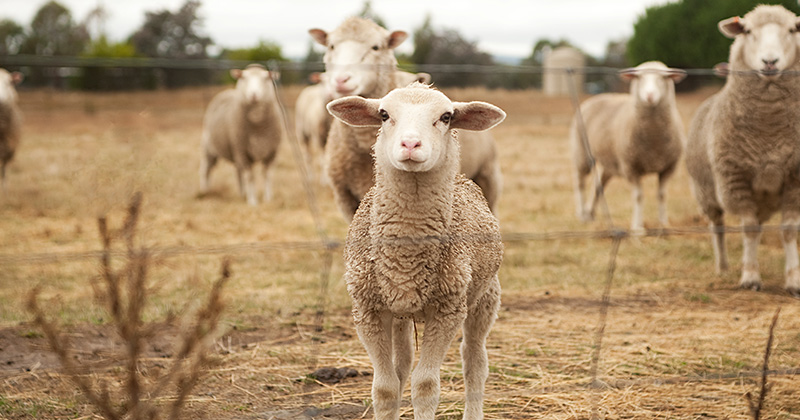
x: 682, y: 34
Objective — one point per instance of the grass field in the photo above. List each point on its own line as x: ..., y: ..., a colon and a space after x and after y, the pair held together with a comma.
x: 679, y: 341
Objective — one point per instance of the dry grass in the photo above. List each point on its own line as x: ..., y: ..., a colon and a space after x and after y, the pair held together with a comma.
x: 679, y: 342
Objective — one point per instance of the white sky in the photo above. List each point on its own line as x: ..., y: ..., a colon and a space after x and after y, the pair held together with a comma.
x: 500, y: 27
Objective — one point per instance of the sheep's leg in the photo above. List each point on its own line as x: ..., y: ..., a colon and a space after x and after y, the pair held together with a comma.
x: 375, y: 333
x: 751, y: 278
x: 790, y: 224
x: 599, y: 187
x: 247, y: 183
x: 489, y: 180
x: 637, y: 220
x: 403, y: 351
x: 473, y: 350
x: 267, y: 171
x: 440, y: 329
x: 579, y: 183
x: 718, y: 241
x: 662, y: 198
x: 206, y: 165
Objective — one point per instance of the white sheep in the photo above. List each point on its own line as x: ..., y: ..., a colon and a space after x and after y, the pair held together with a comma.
x: 10, y: 119
x: 312, y: 120
x: 743, y: 150
x: 359, y: 60
x: 243, y: 125
x: 423, y: 246
x: 630, y: 135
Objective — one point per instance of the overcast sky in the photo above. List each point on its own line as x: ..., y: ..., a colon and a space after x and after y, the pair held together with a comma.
x: 500, y: 27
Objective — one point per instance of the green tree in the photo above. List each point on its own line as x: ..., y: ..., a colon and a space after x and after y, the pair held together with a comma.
x: 12, y: 35
x: 684, y: 34
x: 172, y: 35
x: 264, y: 51
x: 448, y: 47
x: 54, y: 32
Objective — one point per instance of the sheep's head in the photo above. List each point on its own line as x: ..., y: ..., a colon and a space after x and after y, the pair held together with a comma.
x: 766, y: 40
x: 358, y: 54
x: 255, y: 83
x: 652, y: 82
x: 8, y: 81
x: 416, y: 124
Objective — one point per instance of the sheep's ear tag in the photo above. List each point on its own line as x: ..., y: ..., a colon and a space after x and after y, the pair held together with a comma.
x: 627, y: 74
x: 731, y: 27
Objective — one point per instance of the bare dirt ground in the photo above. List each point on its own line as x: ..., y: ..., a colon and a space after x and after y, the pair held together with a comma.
x: 679, y: 342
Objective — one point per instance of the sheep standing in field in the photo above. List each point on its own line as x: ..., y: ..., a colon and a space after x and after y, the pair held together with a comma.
x: 312, y: 120
x: 10, y: 119
x: 244, y: 126
x: 743, y: 152
x: 630, y: 135
x: 423, y: 246
x: 359, y: 60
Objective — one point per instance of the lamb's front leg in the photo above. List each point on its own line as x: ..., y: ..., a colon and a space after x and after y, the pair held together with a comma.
x: 441, y: 325
x: 375, y: 329
x: 403, y: 350
x: 790, y: 223
x: 751, y: 278
x: 473, y: 349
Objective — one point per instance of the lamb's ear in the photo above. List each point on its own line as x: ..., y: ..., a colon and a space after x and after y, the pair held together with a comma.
x: 275, y: 75
x: 17, y: 77
x: 476, y: 116
x: 396, y: 38
x: 677, y: 75
x: 721, y: 69
x: 797, y: 23
x: 319, y: 35
x: 628, y: 74
x: 424, y: 78
x: 356, y: 111
x: 731, y: 27
x: 236, y: 74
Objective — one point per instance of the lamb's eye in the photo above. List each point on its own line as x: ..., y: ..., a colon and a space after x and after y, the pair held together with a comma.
x: 792, y: 30
x: 747, y: 32
x: 384, y: 115
x: 330, y: 47
x: 445, y: 118
x: 375, y: 48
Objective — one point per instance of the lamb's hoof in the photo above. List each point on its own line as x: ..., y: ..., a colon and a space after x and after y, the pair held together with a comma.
x: 586, y: 217
x: 793, y: 281
x: 750, y: 280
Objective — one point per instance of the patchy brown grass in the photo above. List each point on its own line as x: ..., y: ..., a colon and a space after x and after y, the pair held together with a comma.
x: 679, y: 342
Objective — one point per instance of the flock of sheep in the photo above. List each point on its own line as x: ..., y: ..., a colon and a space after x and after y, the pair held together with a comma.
x: 417, y: 176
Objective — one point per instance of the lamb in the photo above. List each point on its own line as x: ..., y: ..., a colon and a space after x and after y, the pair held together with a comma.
x: 630, y: 135
x: 10, y: 119
x: 743, y: 150
x: 312, y: 120
x: 423, y: 246
x: 244, y: 126
x: 359, y: 61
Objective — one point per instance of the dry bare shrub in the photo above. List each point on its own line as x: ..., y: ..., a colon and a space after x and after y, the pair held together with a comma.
x: 124, y: 294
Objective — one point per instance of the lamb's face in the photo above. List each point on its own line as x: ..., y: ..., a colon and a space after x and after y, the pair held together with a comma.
x: 254, y: 84
x: 652, y: 81
x: 768, y: 39
x: 357, y: 55
x: 8, y: 81
x: 416, y: 124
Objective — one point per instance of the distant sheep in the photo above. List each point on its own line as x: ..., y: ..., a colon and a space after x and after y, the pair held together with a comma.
x: 630, y: 135
x: 10, y: 119
x: 312, y: 120
x: 743, y: 150
x: 244, y: 126
x: 422, y: 247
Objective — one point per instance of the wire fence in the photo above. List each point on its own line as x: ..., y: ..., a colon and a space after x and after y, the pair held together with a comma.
x: 329, y: 245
